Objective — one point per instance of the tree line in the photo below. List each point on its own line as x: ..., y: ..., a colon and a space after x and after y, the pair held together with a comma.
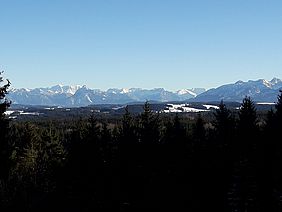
x: 143, y: 162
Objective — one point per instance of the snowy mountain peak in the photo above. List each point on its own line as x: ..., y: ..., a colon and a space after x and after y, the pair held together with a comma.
x: 125, y: 90
x: 186, y: 91
x: 275, y: 81
x: 182, y: 91
x: 267, y: 83
x: 60, y: 89
x: 57, y: 89
x: 72, y: 89
x: 77, y: 95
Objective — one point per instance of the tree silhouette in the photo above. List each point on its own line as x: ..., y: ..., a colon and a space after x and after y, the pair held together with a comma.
x: 4, y: 103
x: 247, y: 116
x: 199, y: 135
x: 128, y: 141
x: 149, y: 126
x: 278, y: 106
x: 272, y: 147
x: 221, y: 151
x: 245, y: 179
x: 4, y: 125
x: 128, y: 134
x: 224, y: 125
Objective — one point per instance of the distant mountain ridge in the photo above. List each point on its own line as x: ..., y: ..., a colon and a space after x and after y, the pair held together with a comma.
x: 77, y: 96
x: 259, y: 90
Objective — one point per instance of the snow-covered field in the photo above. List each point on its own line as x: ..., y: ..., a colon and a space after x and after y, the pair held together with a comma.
x: 9, y: 112
x: 180, y: 108
x: 211, y: 106
x: 20, y: 112
x: 119, y: 109
x: 265, y: 103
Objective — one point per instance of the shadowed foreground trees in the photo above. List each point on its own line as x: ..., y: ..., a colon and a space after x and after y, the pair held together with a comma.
x: 5, y: 146
x: 144, y: 162
x: 4, y: 129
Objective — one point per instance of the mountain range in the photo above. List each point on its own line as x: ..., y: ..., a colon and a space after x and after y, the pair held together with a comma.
x: 259, y: 90
x: 76, y: 96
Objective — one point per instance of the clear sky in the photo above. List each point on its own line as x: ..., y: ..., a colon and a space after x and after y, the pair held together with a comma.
x: 173, y: 44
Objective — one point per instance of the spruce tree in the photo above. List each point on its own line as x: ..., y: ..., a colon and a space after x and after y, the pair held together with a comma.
x: 148, y: 154
x: 5, y: 147
x: 246, y: 166
x: 127, y: 130
x: 199, y: 134
x: 4, y: 103
x: 274, y: 154
x: 278, y: 106
x: 4, y: 127
x: 149, y: 126
x: 128, y: 138
x: 224, y: 123
x: 247, y: 128
x: 247, y: 116
x: 221, y: 150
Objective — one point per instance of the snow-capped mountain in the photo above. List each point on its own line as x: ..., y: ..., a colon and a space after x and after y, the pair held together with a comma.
x: 259, y: 90
x: 75, y: 96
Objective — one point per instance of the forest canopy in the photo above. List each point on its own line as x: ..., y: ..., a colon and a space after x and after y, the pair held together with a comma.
x: 231, y: 163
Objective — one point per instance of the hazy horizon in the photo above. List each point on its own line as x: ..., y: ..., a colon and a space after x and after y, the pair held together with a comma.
x: 147, y: 44
x: 145, y: 88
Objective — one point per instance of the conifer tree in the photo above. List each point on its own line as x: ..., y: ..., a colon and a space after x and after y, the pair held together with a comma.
x: 199, y: 134
x: 4, y: 125
x: 247, y: 128
x: 149, y: 125
x: 245, y: 169
x: 4, y: 103
x: 93, y: 127
x: 278, y: 106
x: 106, y: 143
x: 148, y: 153
x: 52, y: 156
x: 128, y: 138
x: 247, y: 116
x: 175, y: 135
x: 127, y: 130
x: 178, y: 129
x: 175, y: 148
x: 224, y: 122
x: 273, y: 156
x: 127, y: 154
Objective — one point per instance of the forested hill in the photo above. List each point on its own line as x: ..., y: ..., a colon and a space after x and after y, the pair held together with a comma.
x: 27, y: 112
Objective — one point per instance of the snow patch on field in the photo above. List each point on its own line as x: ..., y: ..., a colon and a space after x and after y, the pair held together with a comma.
x: 211, y: 106
x: 49, y: 108
x: 30, y: 113
x: 180, y: 108
x: 119, y: 107
x: 9, y: 112
x: 265, y: 103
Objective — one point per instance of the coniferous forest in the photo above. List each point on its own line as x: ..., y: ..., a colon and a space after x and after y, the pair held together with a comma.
x: 142, y: 162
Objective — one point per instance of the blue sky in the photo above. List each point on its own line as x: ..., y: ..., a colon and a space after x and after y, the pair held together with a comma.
x: 140, y: 43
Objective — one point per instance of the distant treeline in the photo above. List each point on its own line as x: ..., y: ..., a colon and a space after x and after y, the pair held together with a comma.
x: 143, y: 162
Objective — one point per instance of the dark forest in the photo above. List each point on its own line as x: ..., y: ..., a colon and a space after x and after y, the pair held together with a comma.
x: 142, y: 162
